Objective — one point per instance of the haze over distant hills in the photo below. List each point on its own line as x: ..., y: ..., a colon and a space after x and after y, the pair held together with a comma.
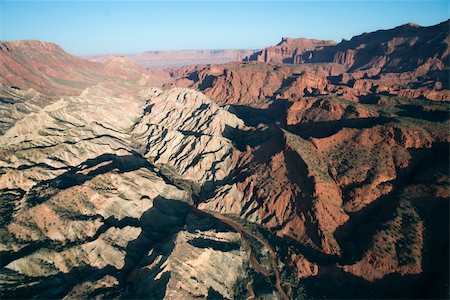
x: 176, y: 58
x: 310, y: 170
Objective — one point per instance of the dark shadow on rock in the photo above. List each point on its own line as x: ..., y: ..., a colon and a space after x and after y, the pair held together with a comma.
x: 207, y: 82
x: 334, y: 283
x: 262, y: 286
x: 297, y: 173
x: 214, y: 295
x: 418, y: 112
x: 4, y: 100
x: 436, y: 252
x: 148, y: 109
x: 369, y: 99
x: 251, y: 137
x: 87, y: 170
x: 283, y: 244
x: 8, y: 256
x: 102, y: 164
x: 214, y: 244
x: 199, y: 220
x: 267, y: 143
x: 336, y: 79
x: 275, y: 112
x: 160, y: 225
x: 191, y: 133
x: 9, y: 198
x: 323, y: 129
x: 49, y: 287
x: 287, y: 83
x: 193, y: 76
x: 40, y: 165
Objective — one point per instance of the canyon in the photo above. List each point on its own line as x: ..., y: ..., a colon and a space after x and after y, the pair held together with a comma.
x: 310, y: 169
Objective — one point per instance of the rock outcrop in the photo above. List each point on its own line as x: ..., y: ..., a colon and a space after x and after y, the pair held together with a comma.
x: 289, y: 50
x: 185, y: 130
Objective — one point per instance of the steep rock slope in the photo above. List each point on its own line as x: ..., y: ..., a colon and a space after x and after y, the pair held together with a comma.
x: 36, y: 74
x: 184, y: 130
x: 253, y: 84
x: 81, y: 205
x: 16, y: 103
x: 341, y: 179
x: 256, y: 83
x: 46, y: 68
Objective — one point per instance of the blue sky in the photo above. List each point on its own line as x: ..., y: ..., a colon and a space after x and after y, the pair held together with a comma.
x: 127, y: 27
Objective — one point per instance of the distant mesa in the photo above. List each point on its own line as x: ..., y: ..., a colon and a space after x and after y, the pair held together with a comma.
x: 178, y: 58
x: 289, y: 50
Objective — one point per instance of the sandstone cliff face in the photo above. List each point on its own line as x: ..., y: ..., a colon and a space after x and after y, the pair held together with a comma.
x: 253, y: 84
x: 371, y: 142
x: 289, y: 50
x: 256, y: 83
x: 406, y: 48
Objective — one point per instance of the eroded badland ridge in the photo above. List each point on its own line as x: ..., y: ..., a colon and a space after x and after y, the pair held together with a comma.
x: 311, y: 170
